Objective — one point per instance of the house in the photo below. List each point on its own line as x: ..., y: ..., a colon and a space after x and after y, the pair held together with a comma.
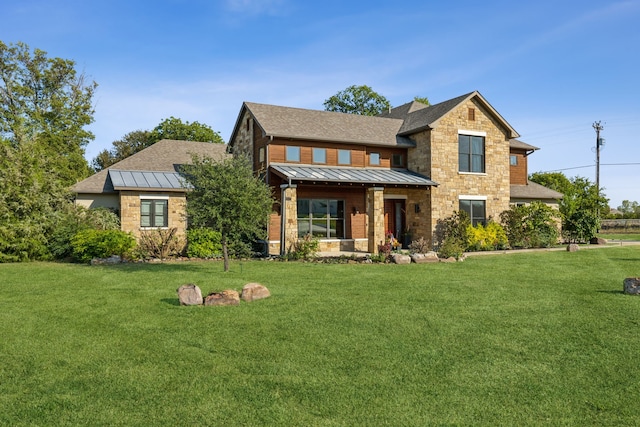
x: 352, y: 180
x: 145, y: 189
x: 524, y: 191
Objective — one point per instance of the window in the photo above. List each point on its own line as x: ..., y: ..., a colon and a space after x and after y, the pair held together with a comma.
x: 153, y: 213
x: 471, y: 153
x: 344, y: 157
x: 261, y: 154
x: 319, y: 155
x: 476, y: 209
x: 513, y: 160
x: 397, y: 161
x: 321, y: 218
x: 374, y: 159
x: 293, y: 154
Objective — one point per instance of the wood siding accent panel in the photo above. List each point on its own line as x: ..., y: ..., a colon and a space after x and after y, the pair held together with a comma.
x: 519, y: 173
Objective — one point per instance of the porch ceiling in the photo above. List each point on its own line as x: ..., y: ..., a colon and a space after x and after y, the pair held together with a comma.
x: 350, y: 175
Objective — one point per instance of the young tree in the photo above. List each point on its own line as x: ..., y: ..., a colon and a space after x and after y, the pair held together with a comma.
x: 581, y: 208
x: 226, y: 197
x: 171, y: 128
x: 357, y: 100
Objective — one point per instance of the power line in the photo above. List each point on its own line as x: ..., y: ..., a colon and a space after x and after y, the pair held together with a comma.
x: 590, y: 166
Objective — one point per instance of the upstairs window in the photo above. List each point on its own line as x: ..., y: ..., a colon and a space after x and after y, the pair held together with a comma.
x: 153, y: 213
x: 397, y: 161
x: 374, y: 159
x: 513, y: 160
x: 471, y: 153
x: 344, y: 157
x: 319, y: 155
x: 292, y: 154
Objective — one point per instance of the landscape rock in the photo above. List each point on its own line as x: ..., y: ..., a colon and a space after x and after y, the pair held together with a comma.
x: 228, y: 297
x: 573, y: 248
x: 450, y: 259
x: 598, y: 241
x: 254, y: 291
x: 401, y: 259
x: 425, y: 258
x: 113, y: 259
x: 632, y: 285
x: 189, y: 294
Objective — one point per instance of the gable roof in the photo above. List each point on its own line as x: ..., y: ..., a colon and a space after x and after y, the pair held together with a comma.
x: 516, y: 143
x: 419, y: 119
x: 316, y: 125
x: 165, y: 156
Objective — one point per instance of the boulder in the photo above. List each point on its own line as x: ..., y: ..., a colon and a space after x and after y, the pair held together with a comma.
x: 228, y: 297
x: 254, y: 291
x: 425, y: 258
x: 573, y: 248
x: 450, y: 259
x: 632, y: 285
x: 189, y: 294
x: 401, y: 259
x: 598, y: 241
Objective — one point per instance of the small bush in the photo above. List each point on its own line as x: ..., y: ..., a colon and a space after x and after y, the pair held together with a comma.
x: 305, y: 248
x: 489, y: 238
x: 531, y: 226
x: 451, y: 235
x: 420, y: 246
x: 160, y: 243
x: 203, y: 243
x: 88, y: 244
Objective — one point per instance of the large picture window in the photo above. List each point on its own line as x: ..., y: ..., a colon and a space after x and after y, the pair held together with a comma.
x: 153, y: 213
x: 476, y: 209
x: 321, y: 218
x: 471, y: 153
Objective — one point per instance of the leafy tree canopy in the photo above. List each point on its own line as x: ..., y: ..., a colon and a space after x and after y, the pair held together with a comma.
x: 44, y: 101
x: 554, y: 180
x: 358, y: 100
x: 171, y: 128
x: 629, y: 209
x: 422, y: 99
x: 227, y: 198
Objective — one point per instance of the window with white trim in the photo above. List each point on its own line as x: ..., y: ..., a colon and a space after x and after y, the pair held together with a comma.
x: 374, y: 159
x: 476, y: 209
x: 292, y: 154
x: 319, y: 155
x: 471, y: 153
x: 154, y: 212
x: 344, y: 157
x: 321, y: 218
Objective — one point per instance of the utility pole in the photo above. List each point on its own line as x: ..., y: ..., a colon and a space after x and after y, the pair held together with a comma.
x: 598, y: 127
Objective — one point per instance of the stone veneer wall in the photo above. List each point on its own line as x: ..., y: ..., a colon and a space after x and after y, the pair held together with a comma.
x: 243, y: 143
x: 130, y: 212
x: 375, y: 211
x: 442, y: 154
x: 290, y: 208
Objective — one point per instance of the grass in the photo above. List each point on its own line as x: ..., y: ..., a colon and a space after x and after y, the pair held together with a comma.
x: 523, y: 339
x: 620, y: 236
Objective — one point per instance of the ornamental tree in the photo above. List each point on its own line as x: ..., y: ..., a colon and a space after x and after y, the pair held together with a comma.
x: 357, y: 100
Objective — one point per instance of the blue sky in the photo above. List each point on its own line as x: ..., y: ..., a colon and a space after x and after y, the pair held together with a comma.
x: 551, y: 68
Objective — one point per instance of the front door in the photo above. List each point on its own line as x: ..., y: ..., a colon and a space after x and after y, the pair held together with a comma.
x: 394, y: 217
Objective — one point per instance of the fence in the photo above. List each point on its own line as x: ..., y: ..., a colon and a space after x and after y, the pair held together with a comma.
x: 620, y: 226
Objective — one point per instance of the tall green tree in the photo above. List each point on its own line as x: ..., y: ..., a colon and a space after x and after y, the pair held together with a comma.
x: 360, y: 100
x: 554, y: 180
x: 45, y: 106
x: 44, y: 101
x: 629, y: 209
x: 581, y: 209
x: 171, y: 128
x: 423, y: 99
x: 228, y: 198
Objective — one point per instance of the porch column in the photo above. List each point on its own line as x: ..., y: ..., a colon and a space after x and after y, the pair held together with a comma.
x: 289, y: 220
x: 375, y: 213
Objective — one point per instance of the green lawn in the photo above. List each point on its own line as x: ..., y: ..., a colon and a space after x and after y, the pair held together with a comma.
x: 620, y: 236
x: 519, y: 339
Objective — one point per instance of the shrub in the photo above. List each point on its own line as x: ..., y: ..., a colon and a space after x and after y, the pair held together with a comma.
x: 305, y: 248
x: 420, y: 246
x: 203, y: 243
x: 489, y: 238
x: 88, y: 244
x: 531, y: 226
x: 160, y: 243
x: 451, y: 235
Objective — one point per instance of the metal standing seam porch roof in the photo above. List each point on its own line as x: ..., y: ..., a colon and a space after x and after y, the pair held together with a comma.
x: 376, y: 176
x: 148, y: 180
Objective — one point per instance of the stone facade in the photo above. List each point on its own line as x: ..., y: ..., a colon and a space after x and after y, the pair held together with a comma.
x: 130, y: 211
x: 375, y: 212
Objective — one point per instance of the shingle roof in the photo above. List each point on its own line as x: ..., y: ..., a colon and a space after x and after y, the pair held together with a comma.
x: 299, y: 123
x: 534, y: 191
x: 375, y: 176
x: 515, y: 143
x: 165, y: 155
